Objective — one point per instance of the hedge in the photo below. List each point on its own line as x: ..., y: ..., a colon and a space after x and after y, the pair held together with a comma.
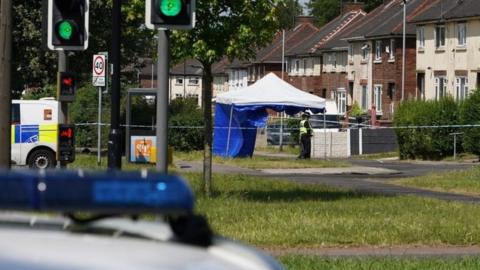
x: 426, y: 143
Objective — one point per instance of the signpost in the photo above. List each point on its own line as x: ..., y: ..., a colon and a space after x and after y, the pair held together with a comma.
x: 99, y: 79
x: 98, y: 70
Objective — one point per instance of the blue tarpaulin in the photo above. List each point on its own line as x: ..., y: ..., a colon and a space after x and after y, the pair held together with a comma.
x: 239, y: 114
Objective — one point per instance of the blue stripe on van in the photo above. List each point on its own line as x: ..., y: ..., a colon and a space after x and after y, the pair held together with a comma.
x: 29, y: 133
x: 17, y: 133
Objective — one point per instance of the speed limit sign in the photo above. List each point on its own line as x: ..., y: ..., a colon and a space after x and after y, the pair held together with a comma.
x: 98, y: 70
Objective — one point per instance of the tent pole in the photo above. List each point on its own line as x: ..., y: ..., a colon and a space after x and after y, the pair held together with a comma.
x: 325, y: 134
x: 229, y: 130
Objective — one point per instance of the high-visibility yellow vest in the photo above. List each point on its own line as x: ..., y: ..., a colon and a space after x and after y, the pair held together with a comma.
x: 303, y: 129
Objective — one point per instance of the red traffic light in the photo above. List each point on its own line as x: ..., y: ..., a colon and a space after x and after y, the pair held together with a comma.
x: 66, y: 133
x: 67, y: 81
x: 66, y: 86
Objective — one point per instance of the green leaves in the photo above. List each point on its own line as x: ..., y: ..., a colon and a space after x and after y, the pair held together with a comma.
x: 231, y: 28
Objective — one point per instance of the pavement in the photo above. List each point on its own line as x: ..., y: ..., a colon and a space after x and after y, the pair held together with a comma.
x: 333, y: 171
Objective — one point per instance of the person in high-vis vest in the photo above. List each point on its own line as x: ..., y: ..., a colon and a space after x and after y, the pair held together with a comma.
x: 305, y: 135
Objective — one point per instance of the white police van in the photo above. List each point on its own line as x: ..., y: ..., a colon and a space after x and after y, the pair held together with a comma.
x: 35, y: 132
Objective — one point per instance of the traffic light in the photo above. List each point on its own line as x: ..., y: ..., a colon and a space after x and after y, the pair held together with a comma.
x: 67, y: 25
x: 66, y: 86
x: 66, y: 143
x: 170, y: 14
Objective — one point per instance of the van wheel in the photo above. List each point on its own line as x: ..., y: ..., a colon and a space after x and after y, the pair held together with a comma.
x: 41, y: 159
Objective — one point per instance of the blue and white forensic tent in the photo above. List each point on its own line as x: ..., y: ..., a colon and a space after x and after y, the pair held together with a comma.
x: 238, y: 114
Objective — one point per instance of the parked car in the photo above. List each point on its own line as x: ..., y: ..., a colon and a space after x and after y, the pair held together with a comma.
x: 274, y: 132
x: 107, y: 233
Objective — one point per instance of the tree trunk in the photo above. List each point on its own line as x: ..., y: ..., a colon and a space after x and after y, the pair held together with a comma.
x: 208, y: 129
x: 5, y: 91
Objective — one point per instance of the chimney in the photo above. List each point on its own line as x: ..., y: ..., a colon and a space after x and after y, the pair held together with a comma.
x: 351, y: 5
x: 303, y: 19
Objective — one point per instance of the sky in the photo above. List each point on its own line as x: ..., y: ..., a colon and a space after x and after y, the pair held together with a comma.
x: 303, y: 2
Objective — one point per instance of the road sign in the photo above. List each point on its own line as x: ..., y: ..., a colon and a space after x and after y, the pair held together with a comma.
x: 98, y: 70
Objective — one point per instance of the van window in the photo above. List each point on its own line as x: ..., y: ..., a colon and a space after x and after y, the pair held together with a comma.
x: 15, y: 116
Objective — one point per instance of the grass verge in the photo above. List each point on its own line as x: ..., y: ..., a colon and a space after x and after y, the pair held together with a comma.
x: 260, y: 162
x: 275, y: 149
x: 271, y: 213
x: 90, y: 162
x: 322, y: 263
x: 462, y: 182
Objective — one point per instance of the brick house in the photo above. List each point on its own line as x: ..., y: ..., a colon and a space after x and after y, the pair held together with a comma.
x: 269, y: 58
x: 448, y: 49
x: 318, y: 65
x: 185, y: 78
x: 375, y: 57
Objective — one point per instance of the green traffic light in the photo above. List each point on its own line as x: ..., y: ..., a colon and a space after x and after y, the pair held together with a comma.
x: 65, y: 30
x: 171, y: 8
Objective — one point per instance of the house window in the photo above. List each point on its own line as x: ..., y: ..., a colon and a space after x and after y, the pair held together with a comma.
x: 439, y: 36
x: 462, y: 34
x: 334, y: 60
x: 378, y: 98
x: 364, y: 97
x: 440, y: 87
x: 421, y: 37
x: 378, y: 50
x: 343, y: 61
x: 461, y: 86
x: 365, y: 50
x: 304, y: 66
x: 391, y: 52
x: 297, y: 66
x: 350, y: 52
x: 179, y: 81
x: 193, y: 81
x: 341, y: 100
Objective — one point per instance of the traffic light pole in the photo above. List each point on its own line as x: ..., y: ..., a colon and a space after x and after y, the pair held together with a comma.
x: 162, y: 100
x: 63, y: 67
x: 115, y: 136
x: 5, y: 98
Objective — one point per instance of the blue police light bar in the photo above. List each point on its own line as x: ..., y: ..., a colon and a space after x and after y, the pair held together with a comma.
x: 105, y: 193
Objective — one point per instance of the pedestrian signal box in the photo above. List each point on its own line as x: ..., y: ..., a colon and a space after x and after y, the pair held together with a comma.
x: 66, y: 143
x: 66, y: 86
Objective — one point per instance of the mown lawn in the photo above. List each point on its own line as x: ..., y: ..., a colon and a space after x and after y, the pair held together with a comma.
x: 463, y: 182
x: 271, y: 213
x: 260, y: 162
x: 274, y: 213
x: 256, y: 162
x: 322, y: 263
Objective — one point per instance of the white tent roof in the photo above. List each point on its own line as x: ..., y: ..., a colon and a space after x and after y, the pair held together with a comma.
x: 271, y: 90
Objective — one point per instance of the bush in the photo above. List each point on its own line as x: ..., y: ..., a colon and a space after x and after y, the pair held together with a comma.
x: 185, y: 117
x: 470, y: 115
x: 426, y: 143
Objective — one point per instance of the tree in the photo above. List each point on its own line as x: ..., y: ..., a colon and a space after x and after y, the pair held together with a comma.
x: 35, y: 66
x: 326, y: 10
x: 224, y: 28
x: 287, y: 11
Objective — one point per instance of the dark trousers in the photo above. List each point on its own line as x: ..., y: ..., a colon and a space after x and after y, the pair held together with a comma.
x: 305, y: 146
